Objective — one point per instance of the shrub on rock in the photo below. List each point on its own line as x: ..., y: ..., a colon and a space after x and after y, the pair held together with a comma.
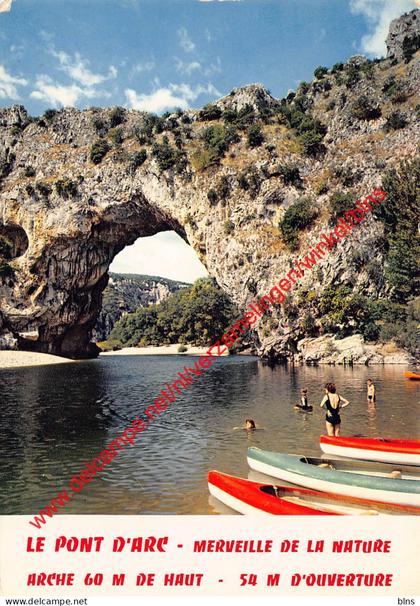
x: 99, y: 150
x: 298, y: 216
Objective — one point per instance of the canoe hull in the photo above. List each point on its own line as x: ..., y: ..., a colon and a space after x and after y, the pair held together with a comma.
x: 290, y: 468
x: 399, y: 452
x: 414, y: 376
x: 256, y: 498
x: 246, y: 497
x: 235, y: 503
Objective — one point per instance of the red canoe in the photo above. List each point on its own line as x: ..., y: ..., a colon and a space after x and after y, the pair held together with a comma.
x: 412, y: 375
x: 249, y: 497
x: 401, y: 452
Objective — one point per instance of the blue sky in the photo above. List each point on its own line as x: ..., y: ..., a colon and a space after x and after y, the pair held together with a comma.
x: 155, y: 55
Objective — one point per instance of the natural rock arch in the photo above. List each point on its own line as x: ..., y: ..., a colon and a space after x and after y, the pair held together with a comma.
x: 71, y: 212
x: 63, y: 275
x: 79, y: 213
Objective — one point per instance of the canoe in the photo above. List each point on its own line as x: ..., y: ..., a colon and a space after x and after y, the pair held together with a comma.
x: 412, y: 375
x: 361, y: 479
x: 402, y: 452
x: 249, y: 497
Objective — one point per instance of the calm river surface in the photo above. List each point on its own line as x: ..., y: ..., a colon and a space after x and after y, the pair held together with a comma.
x: 55, y: 418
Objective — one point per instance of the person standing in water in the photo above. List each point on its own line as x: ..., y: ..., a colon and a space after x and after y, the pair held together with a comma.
x: 333, y: 403
x: 371, y: 395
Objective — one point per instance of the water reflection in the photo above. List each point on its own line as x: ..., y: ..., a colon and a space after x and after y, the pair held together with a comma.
x: 56, y: 418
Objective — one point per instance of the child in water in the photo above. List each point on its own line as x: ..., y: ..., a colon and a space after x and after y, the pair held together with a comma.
x: 303, y: 405
x: 371, y: 396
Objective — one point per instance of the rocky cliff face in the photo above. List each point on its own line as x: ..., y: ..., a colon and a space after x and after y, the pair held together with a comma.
x: 125, y: 293
x: 79, y: 186
x: 404, y: 36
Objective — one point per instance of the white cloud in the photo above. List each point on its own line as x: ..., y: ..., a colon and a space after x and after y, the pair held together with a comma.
x: 191, y: 93
x: 214, y: 68
x: 57, y: 94
x: 159, y: 101
x: 168, y: 97
x: 9, y: 83
x: 195, y: 66
x: 378, y: 14
x: 187, y: 68
x: 77, y: 68
x: 166, y: 254
x: 185, y: 41
x: 5, y: 6
x: 82, y: 85
x: 143, y: 66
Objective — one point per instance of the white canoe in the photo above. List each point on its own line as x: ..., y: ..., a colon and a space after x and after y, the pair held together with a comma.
x: 361, y: 479
x: 401, y: 452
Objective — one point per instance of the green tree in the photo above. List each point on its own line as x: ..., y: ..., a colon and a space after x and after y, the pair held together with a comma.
x: 117, y: 116
x: 99, y: 150
x: 339, y: 202
x: 210, y: 112
x: 311, y: 142
x: 395, y: 121
x: 255, y: 136
x: 320, y: 72
x: 198, y: 315
x: 50, y: 114
x: 290, y: 174
x: 298, y: 216
x: 138, y: 158
x: 399, y: 214
x: 167, y: 156
x: 346, y: 313
x: 365, y: 109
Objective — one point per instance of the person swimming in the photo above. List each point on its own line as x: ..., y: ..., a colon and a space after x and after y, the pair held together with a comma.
x: 303, y: 404
x: 249, y: 424
x: 333, y: 403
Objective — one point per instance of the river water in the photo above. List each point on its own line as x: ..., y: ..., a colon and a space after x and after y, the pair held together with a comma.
x: 55, y: 418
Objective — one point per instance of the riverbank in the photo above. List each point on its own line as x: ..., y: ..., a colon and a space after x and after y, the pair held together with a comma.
x: 162, y: 350
x: 19, y: 359
x: 329, y: 350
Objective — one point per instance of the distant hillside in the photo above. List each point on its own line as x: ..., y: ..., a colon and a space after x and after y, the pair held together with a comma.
x: 197, y: 315
x: 125, y: 293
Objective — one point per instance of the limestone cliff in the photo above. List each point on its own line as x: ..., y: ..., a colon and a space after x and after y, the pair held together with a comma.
x: 79, y: 186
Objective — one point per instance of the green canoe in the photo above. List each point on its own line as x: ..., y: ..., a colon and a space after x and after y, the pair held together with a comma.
x: 363, y: 479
